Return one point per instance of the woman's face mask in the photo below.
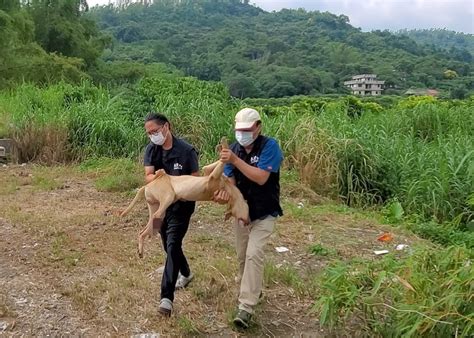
(245, 138)
(158, 138)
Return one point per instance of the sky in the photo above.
(456, 15)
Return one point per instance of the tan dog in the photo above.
(165, 190)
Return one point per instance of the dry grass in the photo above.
(43, 144)
(312, 153)
(68, 251)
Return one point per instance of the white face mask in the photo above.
(158, 138)
(245, 138)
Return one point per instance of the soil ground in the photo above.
(69, 266)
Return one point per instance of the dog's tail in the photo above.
(140, 194)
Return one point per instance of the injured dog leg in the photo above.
(157, 213)
(148, 230)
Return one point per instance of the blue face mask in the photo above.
(245, 138)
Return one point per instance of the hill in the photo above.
(459, 45)
(261, 54)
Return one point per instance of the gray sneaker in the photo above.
(166, 306)
(242, 319)
(182, 281)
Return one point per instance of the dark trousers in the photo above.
(172, 233)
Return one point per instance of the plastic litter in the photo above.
(281, 249)
(401, 247)
(386, 237)
(381, 252)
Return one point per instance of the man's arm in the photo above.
(269, 161)
(254, 174)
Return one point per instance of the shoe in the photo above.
(242, 319)
(182, 281)
(166, 306)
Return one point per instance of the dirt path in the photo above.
(68, 265)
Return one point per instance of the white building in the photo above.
(365, 84)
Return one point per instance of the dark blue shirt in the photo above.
(269, 160)
(181, 159)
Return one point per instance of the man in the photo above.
(176, 157)
(253, 164)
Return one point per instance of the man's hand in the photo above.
(221, 196)
(228, 156)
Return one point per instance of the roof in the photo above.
(422, 91)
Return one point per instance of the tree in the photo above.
(450, 74)
(60, 27)
(458, 93)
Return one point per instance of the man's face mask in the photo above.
(245, 138)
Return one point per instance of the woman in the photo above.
(176, 157)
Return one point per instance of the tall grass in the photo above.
(428, 293)
(65, 123)
(418, 151)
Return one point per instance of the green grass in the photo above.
(187, 326)
(417, 151)
(427, 292)
(114, 175)
(320, 250)
(62, 253)
(284, 274)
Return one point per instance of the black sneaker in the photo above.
(242, 319)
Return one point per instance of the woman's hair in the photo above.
(157, 118)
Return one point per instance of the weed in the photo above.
(319, 250)
(62, 252)
(286, 275)
(187, 326)
(427, 293)
(115, 175)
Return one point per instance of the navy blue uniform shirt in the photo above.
(181, 159)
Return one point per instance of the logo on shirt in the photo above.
(254, 159)
(178, 166)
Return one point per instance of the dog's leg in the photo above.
(165, 202)
(160, 213)
(207, 170)
(148, 230)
